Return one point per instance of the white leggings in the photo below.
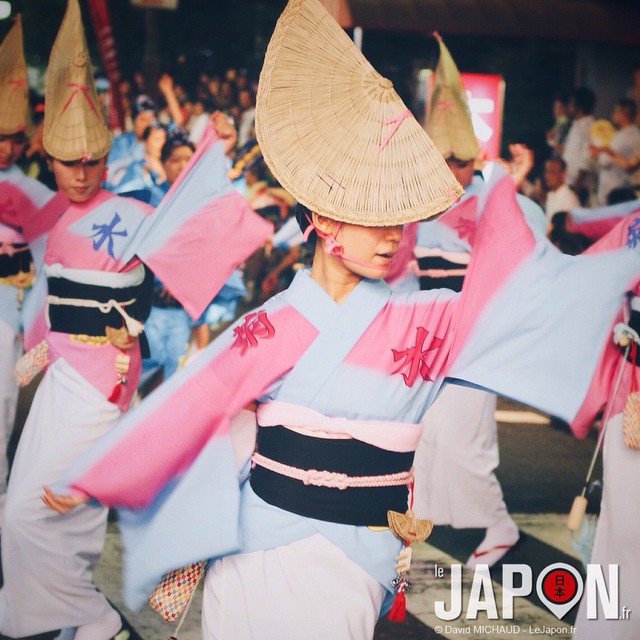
(308, 589)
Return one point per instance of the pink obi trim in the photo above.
(10, 236)
(10, 249)
(332, 479)
(96, 363)
(391, 436)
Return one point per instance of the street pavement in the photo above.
(542, 468)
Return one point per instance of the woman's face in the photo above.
(11, 146)
(78, 179)
(559, 109)
(462, 170)
(244, 99)
(141, 122)
(371, 248)
(153, 144)
(176, 162)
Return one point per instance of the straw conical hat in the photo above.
(449, 122)
(336, 135)
(15, 114)
(74, 127)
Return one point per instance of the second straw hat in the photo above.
(449, 123)
(336, 135)
(15, 114)
(74, 127)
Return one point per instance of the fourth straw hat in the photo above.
(336, 135)
(14, 89)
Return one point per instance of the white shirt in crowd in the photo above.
(563, 198)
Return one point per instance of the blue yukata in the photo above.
(359, 374)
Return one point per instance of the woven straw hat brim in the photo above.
(322, 116)
(15, 115)
(74, 127)
(449, 121)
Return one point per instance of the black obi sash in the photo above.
(90, 320)
(453, 282)
(362, 506)
(18, 260)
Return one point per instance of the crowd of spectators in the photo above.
(590, 164)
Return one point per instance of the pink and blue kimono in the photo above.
(362, 372)
(596, 222)
(615, 543)
(17, 270)
(20, 196)
(95, 264)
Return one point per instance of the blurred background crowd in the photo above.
(581, 161)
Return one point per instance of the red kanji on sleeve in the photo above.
(415, 357)
(256, 325)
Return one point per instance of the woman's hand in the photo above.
(165, 84)
(225, 130)
(521, 162)
(62, 504)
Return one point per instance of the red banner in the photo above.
(106, 45)
(485, 94)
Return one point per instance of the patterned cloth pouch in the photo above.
(631, 421)
(631, 413)
(174, 592)
(31, 364)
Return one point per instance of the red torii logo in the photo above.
(415, 357)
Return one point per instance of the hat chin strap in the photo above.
(334, 248)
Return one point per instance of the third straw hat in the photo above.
(14, 89)
(74, 128)
(336, 135)
(449, 122)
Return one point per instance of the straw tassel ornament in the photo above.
(122, 368)
(410, 530)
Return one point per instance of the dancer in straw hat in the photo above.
(47, 563)
(98, 297)
(458, 452)
(310, 525)
(17, 191)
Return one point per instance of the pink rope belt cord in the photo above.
(332, 479)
